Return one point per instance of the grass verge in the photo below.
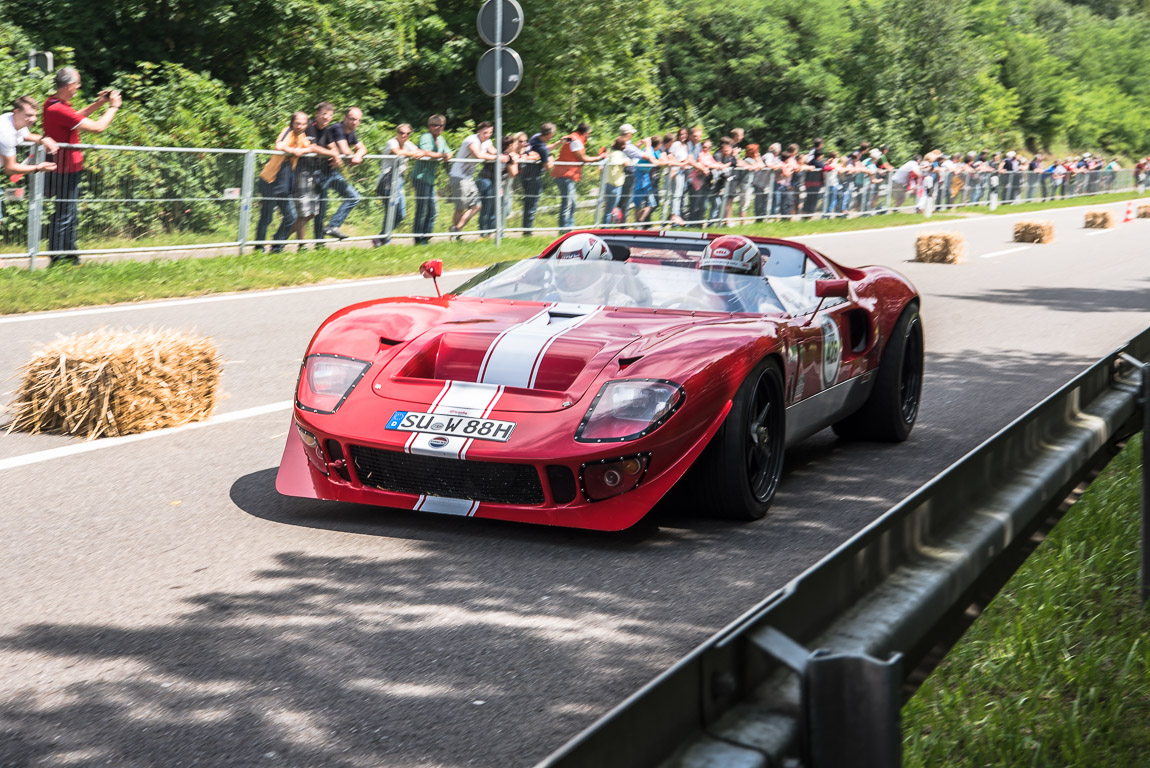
(112, 282)
(1056, 672)
(1061, 202)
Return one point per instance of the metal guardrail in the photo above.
(136, 200)
(757, 695)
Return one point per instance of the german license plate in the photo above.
(452, 426)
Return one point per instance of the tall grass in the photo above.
(1056, 672)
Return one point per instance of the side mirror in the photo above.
(831, 289)
(432, 268)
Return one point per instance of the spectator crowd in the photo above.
(683, 177)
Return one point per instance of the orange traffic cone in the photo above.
(1129, 212)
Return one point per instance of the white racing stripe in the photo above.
(445, 506)
(112, 442)
(457, 398)
(513, 359)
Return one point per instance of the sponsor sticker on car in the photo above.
(452, 426)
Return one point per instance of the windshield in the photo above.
(677, 285)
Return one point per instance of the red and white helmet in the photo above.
(585, 246)
(732, 253)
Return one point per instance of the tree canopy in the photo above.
(914, 74)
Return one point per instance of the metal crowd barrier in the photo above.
(156, 199)
(816, 674)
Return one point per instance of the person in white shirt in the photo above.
(389, 186)
(13, 130)
(678, 152)
(904, 179)
(476, 148)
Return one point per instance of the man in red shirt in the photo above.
(63, 124)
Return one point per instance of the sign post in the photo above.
(499, 71)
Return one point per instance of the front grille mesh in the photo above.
(449, 478)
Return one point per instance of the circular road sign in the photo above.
(512, 21)
(512, 72)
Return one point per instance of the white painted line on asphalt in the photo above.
(978, 216)
(1099, 232)
(111, 442)
(69, 313)
(1003, 253)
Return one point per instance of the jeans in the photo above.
(626, 194)
(811, 201)
(65, 189)
(566, 203)
(426, 210)
(831, 206)
(762, 203)
(715, 208)
(270, 200)
(486, 203)
(400, 203)
(697, 203)
(532, 187)
(336, 181)
(610, 201)
(678, 182)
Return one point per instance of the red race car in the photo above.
(580, 387)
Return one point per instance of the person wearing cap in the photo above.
(1010, 168)
(633, 155)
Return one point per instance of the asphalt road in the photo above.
(163, 605)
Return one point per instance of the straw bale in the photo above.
(1144, 211)
(940, 248)
(1099, 220)
(1034, 232)
(110, 383)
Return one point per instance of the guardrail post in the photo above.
(851, 704)
(35, 207)
(246, 185)
(602, 191)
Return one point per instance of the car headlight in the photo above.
(327, 380)
(629, 409)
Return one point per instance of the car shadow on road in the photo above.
(1065, 299)
(468, 642)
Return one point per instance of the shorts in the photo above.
(306, 191)
(464, 193)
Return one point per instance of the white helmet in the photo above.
(732, 253)
(726, 262)
(585, 246)
(576, 281)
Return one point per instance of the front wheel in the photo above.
(890, 412)
(737, 475)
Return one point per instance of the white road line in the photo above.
(111, 442)
(1099, 232)
(1003, 253)
(69, 313)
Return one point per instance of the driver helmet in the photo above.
(576, 282)
(727, 256)
(585, 246)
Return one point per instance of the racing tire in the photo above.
(737, 475)
(890, 411)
